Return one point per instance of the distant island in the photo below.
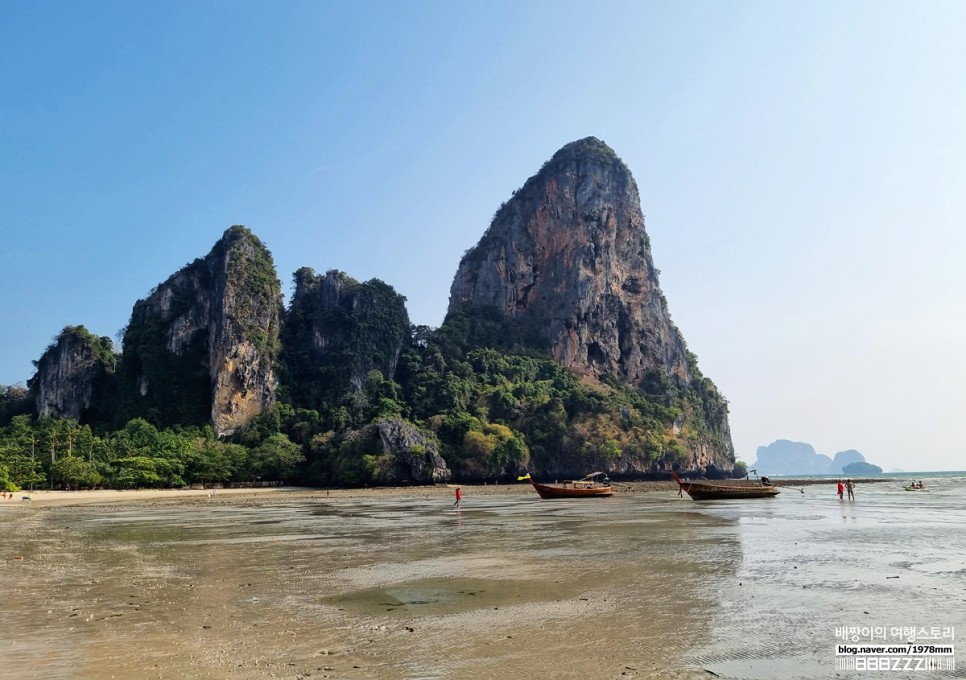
(784, 457)
(860, 468)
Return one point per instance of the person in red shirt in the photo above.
(841, 489)
(459, 496)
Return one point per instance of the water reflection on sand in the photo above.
(638, 585)
(812, 563)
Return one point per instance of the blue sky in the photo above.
(802, 169)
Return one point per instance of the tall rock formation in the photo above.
(203, 346)
(843, 458)
(72, 374)
(569, 254)
(568, 259)
(783, 457)
(337, 331)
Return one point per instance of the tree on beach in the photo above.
(276, 458)
(21, 470)
(75, 472)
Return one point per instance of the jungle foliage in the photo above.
(481, 391)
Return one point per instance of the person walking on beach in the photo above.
(849, 485)
(841, 488)
(459, 496)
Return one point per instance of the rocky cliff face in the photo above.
(416, 457)
(569, 254)
(71, 374)
(568, 258)
(337, 331)
(203, 345)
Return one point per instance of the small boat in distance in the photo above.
(706, 491)
(587, 487)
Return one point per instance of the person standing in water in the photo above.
(841, 488)
(459, 497)
(849, 485)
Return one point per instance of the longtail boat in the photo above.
(705, 491)
(587, 487)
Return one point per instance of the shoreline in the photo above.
(46, 498)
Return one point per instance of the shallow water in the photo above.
(811, 563)
(638, 585)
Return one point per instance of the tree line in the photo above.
(60, 453)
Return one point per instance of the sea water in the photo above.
(814, 566)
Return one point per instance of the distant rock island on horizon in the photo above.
(784, 457)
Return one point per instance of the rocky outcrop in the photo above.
(415, 456)
(337, 331)
(71, 374)
(203, 345)
(861, 468)
(385, 451)
(783, 457)
(568, 254)
(843, 458)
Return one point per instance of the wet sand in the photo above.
(395, 583)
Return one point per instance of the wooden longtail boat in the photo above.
(704, 491)
(588, 487)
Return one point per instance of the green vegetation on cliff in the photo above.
(254, 286)
(481, 392)
(230, 296)
(340, 338)
(84, 360)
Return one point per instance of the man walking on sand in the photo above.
(459, 496)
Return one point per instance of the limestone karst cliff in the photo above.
(557, 355)
(569, 258)
(336, 332)
(569, 250)
(72, 374)
(203, 346)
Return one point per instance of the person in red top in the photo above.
(841, 489)
(458, 497)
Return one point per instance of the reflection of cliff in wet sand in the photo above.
(594, 485)
(704, 491)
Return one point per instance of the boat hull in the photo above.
(553, 491)
(703, 491)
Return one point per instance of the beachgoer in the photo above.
(849, 485)
(841, 489)
(459, 496)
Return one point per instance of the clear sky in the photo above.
(802, 169)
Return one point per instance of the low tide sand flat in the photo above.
(379, 583)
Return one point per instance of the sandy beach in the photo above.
(41, 497)
(395, 583)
